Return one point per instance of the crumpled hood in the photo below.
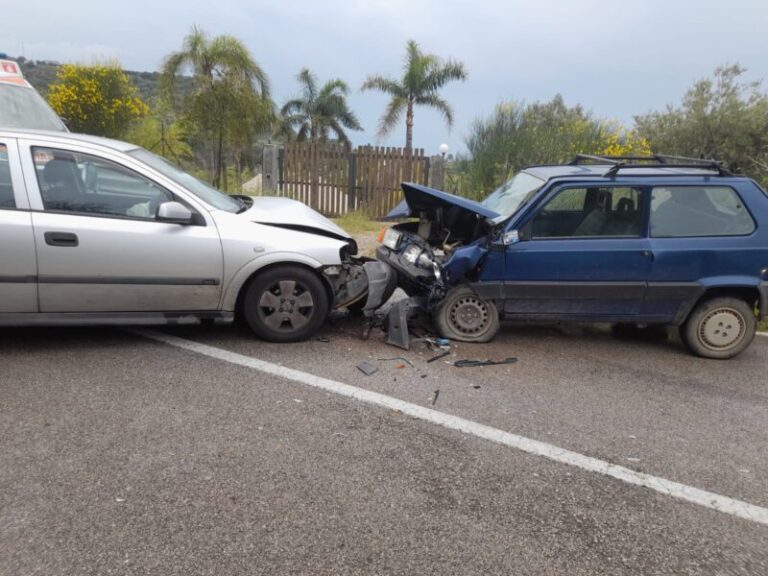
(292, 214)
(420, 198)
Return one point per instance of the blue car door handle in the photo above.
(648, 254)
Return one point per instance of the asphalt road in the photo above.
(122, 455)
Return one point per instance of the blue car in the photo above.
(634, 241)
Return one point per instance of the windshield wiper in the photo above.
(243, 205)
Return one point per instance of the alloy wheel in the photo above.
(286, 306)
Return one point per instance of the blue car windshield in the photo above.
(513, 194)
(201, 190)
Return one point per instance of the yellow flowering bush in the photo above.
(98, 99)
(615, 140)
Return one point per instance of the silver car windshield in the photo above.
(203, 191)
(513, 194)
(23, 107)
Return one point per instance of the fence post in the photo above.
(352, 182)
(270, 168)
(436, 172)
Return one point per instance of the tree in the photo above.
(98, 99)
(518, 135)
(423, 76)
(720, 117)
(229, 102)
(319, 112)
(161, 134)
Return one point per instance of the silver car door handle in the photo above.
(65, 239)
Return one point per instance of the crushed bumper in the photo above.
(365, 284)
(413, 280)
(382, 281)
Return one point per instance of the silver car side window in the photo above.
(85, 184)
(6, 187)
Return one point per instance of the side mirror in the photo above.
(511, 237)
(174, 212)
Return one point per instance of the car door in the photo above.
(100, 246)
(18, 263)
(583, 253)
(697, 232)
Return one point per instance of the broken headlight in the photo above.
(412, 253)
(418, 256)
(391, 239)
(425, 260)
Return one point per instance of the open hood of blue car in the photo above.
(422, 199)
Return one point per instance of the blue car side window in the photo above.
(690, 211)
(590, 212)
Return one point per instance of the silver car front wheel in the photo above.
(286, 304)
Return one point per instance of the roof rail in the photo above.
(653, 161)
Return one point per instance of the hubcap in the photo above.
(469, 315)
(286, 306)
(722, 329)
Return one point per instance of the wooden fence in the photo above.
(335, 180)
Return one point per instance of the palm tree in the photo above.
(319, 112)
(229, 89)
(423, 76)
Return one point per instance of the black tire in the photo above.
(719, 328)
(285, 304)
(464, 316)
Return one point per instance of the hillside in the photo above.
(42, 73)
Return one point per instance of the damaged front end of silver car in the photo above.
(361, 284)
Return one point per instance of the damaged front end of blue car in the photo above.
(443, 244)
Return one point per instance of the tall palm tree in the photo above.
(229, 89)
(319, 112)
(423, 76)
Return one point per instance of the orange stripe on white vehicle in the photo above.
(10, 73)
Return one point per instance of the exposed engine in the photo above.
(423, 251)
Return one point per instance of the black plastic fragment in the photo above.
(476, 363)
(442, 354)
(367, 368)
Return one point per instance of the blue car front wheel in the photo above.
(464, 316)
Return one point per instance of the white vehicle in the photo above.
(20, 104)
(96, 231)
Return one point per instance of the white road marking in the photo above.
(711, 500)
(762, 333)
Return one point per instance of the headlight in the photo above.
(424, 260)
(412, 253)
(391, 239)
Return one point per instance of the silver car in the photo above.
(96, 231)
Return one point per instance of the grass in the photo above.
(762, 326)
(358, 223)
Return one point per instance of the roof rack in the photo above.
(654, 161)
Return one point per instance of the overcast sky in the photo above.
(615, 58)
